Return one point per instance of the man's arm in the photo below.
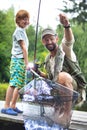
(68, 39)
(68, 34)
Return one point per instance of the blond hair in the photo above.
(21, 14)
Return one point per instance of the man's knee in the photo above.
(64, 77)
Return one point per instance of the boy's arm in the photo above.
(25, 53)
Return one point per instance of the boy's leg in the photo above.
(7, 108)
(14, 98)
(14, 101)
(9, 95)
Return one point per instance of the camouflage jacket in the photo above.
(62, 63)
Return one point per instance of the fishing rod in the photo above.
(37, 31)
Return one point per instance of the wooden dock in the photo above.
(78, 120)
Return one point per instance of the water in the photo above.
(41, 125)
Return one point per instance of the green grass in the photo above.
(3, 88)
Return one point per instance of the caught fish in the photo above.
(46, 92)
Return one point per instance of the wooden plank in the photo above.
(15, 119)
(78, 120)
(5, 117)
(79, 116)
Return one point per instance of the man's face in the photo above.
(50, 42)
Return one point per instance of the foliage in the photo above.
(77, 10)
(31, 36)
(80, 47)
(3, 88)
(4, 67)
(6, 29)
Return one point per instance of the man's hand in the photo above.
(64, 20)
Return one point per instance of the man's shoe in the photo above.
(17, 110)
(9, 111)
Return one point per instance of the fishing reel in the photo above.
(34, 70)
(37, 65)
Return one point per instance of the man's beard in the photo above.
(51, 47)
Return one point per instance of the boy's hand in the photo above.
(27, 67)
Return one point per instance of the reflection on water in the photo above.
(40, 125)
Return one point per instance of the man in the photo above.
(61, 63)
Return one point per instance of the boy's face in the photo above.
(23, 23)
(50, 42)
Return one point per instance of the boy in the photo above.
(19, 63)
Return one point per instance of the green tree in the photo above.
(80, 47)
(77, 10)
(6, 29)
(31, 36)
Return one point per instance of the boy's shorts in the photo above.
(17, 73)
